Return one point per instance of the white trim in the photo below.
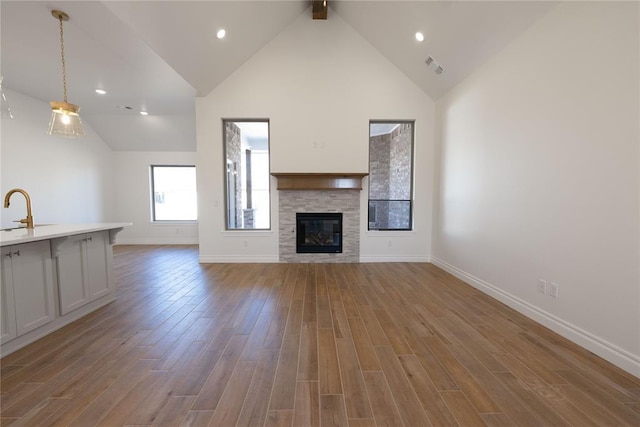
(248, 232)
(174, 222)
(385, 234)
(157, 241)
(393, 258)
(608, 351)
(235, 259)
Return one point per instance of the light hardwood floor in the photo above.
(306, 345)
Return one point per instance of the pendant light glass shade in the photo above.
(65, 120)
(5, 110)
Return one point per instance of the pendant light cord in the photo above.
(64, 67)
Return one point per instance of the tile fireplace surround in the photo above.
(321, 195)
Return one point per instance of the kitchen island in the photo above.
(53, 275)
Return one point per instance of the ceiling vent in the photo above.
(438, 69)
(319, 9)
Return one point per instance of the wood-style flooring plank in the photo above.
(355, 392)
(128, 403)
(328, 368)
(462, 408)
(284, 386)
(362, 422)
(497, 420)
(112, 395)
(201, 369)
(256, 402)
(385, 411)
(220, 376)
(280, 418)
(196, 418)
(307, 412)
(228, 410)
(472, 390)
(364, 347)
(174, 411)
(411, 410)
(546, 414)
(308, 358)
(433, 404)
(332, 411)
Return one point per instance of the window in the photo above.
(247, 179)
(174, 193)
(390, 175)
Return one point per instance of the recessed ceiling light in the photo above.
(419, 36)
(221, 33)
(144, 113)
(101, 91)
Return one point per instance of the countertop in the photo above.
(17, 236)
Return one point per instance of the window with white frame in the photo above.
(173, 193)
(390, 175)
(247, 178)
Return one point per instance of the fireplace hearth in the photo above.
(319, 232)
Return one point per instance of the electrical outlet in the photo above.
(542, 286)
(554, 290)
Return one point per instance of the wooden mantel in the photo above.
(319, 181)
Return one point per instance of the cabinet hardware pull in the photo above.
(17, 253)
(90, 238)
(9, 254)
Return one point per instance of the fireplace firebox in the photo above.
(319, 232)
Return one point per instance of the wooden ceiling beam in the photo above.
(320, 9)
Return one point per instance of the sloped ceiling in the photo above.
(157, 56)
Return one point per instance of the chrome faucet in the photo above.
(29, 219)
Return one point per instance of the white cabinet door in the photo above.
(97, 245)
(72, 275)
(83, 269)
(7, 302)
(27, 288)
(32, 286)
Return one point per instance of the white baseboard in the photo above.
(393, 258)
(236, 259)
(157, 241)
(221, 259)
(608, 351)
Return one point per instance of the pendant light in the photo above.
(65, 120)
(5, 110)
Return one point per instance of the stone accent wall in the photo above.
(379, 168)
(400, 161)
(248, 217)
(233, 147)
(345, 201)
(400, 175)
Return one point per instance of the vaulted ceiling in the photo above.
(157, 56)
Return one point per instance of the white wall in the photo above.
(539, 177)
(69, 180)
(133, 199)
(319, 83)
